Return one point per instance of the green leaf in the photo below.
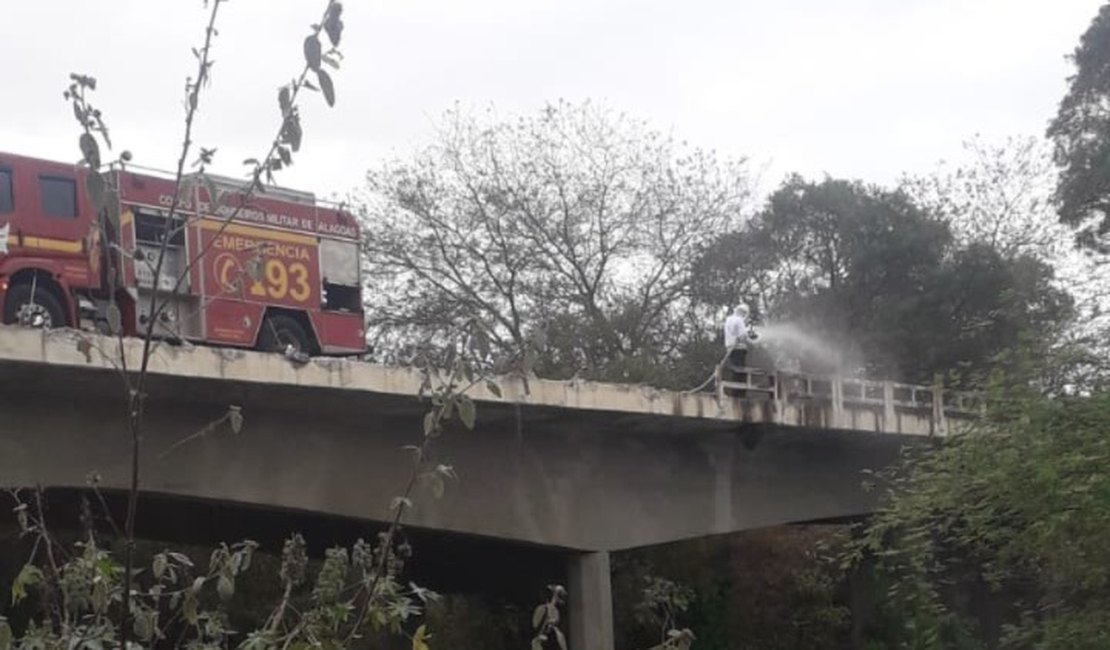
(285, 100)
(84, 346)
(28, 576)
(213, 193)
(225, 587)
(493, 388)
(247, 554)
(420, 638)
(291, 132)
(429, 423)
(115, 318)
(254, 268)
(312, 52)
(480, 342)
(467, 412)
(538, 615)
(90, 150)
(560, 638)
(144, 625)
(333, 25)
(158, 566)
(5, 634)
(95, 188)
(189, 607)
(326, 86)
(100, 598)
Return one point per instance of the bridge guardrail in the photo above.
(838, 393)
(777, 397)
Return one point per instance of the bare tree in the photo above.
(1002, 197)
(577, 221)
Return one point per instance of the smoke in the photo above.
(788, 346)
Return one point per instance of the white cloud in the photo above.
(861, 88)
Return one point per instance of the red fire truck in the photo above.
(274, 270)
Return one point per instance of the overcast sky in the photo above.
(859, 88)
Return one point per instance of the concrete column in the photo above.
(779, 397)
(940, 426)
(836, 417)
(890, 416)
(591, 602)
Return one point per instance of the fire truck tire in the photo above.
(280, 331)
(44, 311)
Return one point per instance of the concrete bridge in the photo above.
(578, 468)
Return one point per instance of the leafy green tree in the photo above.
(977, 307)
(1081, 132)
(998, 538)
(840, 259)
(769, 589)
(881, 279)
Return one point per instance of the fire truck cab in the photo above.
(274, 271)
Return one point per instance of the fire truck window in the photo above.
(6, 203)
(341, 298)
(339, 262)
(149, 228)
(59, 197)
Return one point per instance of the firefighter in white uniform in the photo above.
(736, 336)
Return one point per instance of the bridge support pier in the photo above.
(591, 602)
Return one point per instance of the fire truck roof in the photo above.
(268, 191)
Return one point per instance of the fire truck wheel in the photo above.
(280, 331)
(43, 310)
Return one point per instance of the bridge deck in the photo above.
(767, 398)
